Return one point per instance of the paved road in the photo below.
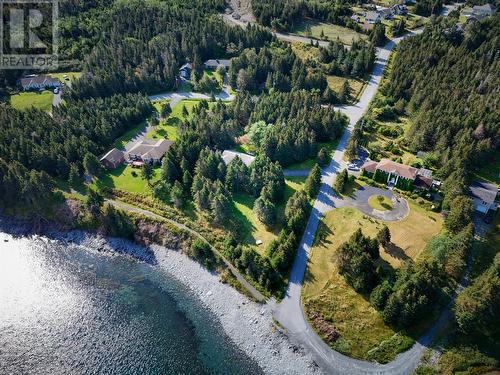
(289, 312)
(447, 9)
(249, 287)
(360, 198)
(175, 97)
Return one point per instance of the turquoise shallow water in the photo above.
(67, 309)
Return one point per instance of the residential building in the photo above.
(373, 17)
(228, 156)
(214, 64)
(386, 13)
(484, 196)
(185, 71)
(399, 9)
(399, 175)
(113, 159)
(148, 151)
(39, 82)
(478, 12)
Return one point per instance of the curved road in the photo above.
(289, 312)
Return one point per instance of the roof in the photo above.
(370, 166)
(483, 191)
(39, 80)
(214, 63)
(372, 15)
(151, 149)
(114, 156)
(484, 8)
(228, 156)
(425, 173)
(403, 170)
(186, 66)
(424, 182)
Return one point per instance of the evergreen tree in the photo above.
(341, 181)
(93, 203)
(147, 172)
(384, 236)
(166, 110)
(91, 164)
(265, 211)
(177, 195)
(313, 182)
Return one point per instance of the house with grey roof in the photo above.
(484, 196)
(148, 151)
(229, 155)
(373, 17)
(214, 64)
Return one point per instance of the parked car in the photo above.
(353, 167)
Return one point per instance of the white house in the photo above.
(39, 82)
(484, 196)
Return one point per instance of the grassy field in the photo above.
(326, 294)
(251, 228)
(38, 99)
(72, 75)
(168, 127)
(313, 29)
(357, 85)
(123, 178)
(380, 202)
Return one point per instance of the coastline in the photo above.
(248, 324)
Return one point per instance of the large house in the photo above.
(215, 64)
(113, 159)
(478, 12)
(228, 156)
(39, 82)
(399, 175)
(148, 151)
(373, 17)
(484, 196)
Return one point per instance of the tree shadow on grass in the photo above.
(321, 238)
(396, 252)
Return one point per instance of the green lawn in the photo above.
(168, 127)
(122, 178)
(251, 228)
(330, 302)
(380, 202)
(72, 75)
(331, 32)
(357, 86)
(38, 99)
(130, 134)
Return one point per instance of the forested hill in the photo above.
(451, 81)
(140, 45)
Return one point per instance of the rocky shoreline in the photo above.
(249, 325)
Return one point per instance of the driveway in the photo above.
(360, 198)
(289, 312)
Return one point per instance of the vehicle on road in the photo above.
(353, 167)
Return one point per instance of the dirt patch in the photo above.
(241, 10)
(324, 328)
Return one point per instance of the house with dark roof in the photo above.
(399, 175)
(484, 196)
(39, 82)
(113, 158)
(185, 71)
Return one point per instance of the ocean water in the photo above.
(70, 309)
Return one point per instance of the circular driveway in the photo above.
(360, 200)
